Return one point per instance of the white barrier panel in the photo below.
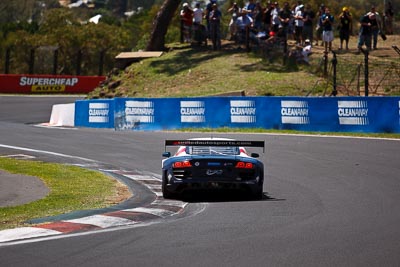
(63, 115)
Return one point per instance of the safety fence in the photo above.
(359, 75)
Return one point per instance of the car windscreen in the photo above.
(212, 150)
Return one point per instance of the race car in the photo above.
(212, 163)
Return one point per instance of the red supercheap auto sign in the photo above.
(47, 84)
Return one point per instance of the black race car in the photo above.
(210, 163)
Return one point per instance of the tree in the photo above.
(161, 24)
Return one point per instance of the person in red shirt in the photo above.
(187, 22)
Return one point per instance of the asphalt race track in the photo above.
(331, 201)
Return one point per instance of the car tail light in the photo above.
(182, 164)
(244, 165)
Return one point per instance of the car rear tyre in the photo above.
(166, 194)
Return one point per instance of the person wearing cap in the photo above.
(345, 27)
(187, 22)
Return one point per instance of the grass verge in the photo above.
(71, 188)
(261, 130)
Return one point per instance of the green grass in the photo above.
(188, 72)
(71, 188)
(261, 130)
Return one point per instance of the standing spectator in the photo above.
(198, 27)
(376, 26)
(258, 17)
(215, 26)
(198, 14)
(275, 19)
(244, 25)
(187, 22)
(365, 35)
(285, 16)
(250, 7)
(389, 13)
(268, 17)
(308, 28)
(297, 6)
(208, 11)
(345, 27)
(299, 24)
(327, 29)
(318, 29)
(235, 11)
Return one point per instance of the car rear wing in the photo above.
(215, 143)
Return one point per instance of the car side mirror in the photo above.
(166, 154)
(254, 155)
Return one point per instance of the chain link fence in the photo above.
(363, 74)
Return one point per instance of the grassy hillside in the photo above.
(187, 71)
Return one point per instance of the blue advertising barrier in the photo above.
(333, 114)
(95, 113)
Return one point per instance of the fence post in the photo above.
(325, 63)
(247, 39)
(78, 62)
(55, 62)
(181, 30)
(101, 62)
(7, 63)
(366, 71)
(32, 61)
(334, 63)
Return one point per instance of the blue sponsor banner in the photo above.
(333, 114)
(94, 113)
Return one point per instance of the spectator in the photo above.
(365, 35)
(285, 16)
(208, 11)
(258, 17)
(250, 8)
(376, 26)
(215, 26)
(198, 27)
(198, 14)
(187, 22)
(345, 27)
(244, 25)
(275, 19)
(327, 29)
(309, 16)
(268, 17)
(389, 13)
(235, 11)
(318, 28)
(299, 24)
